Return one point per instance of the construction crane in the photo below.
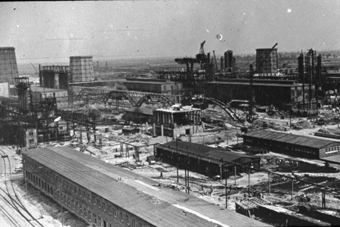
(201, 56)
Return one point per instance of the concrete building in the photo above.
(30, 137)
(105, 195)
(294, 145)
(8, 65)
(175, 121)
(205, 160)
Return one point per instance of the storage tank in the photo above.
(8, 65)
(81, 69)
(266, 61)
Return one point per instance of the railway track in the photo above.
(9, 217)
(11, 198)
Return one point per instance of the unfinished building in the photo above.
(26, 121)
(54, 76)
(176, 121)
(205, 160)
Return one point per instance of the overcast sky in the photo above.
(53, 31)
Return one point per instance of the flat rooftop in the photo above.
(178, 111)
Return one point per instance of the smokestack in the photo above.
(208, 57)
(318, 78)
(222, 63)
(302, 76)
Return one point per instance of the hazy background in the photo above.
(53, 31)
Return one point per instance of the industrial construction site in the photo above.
(212, 138)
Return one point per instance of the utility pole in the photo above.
(226, 188)
(177, 159)
(248, 182)
(291, 193)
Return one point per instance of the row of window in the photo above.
(332, 149)
(73, 197)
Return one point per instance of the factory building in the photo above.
(104, 195)
(294, 145)
(205, 160)
(153, 86)
(266, 92)
(8, 65)
(175, 121)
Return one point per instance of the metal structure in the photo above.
(25, 121)
(135, 98)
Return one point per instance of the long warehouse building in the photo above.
(205, 160)
(294, 145)
(105, 195)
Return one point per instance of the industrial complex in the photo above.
(216, 140)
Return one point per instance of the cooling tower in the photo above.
(266, 60)
(8, 65)
(81, 69)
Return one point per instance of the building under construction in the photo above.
(26, 121)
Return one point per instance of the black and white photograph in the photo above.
(170, 113)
